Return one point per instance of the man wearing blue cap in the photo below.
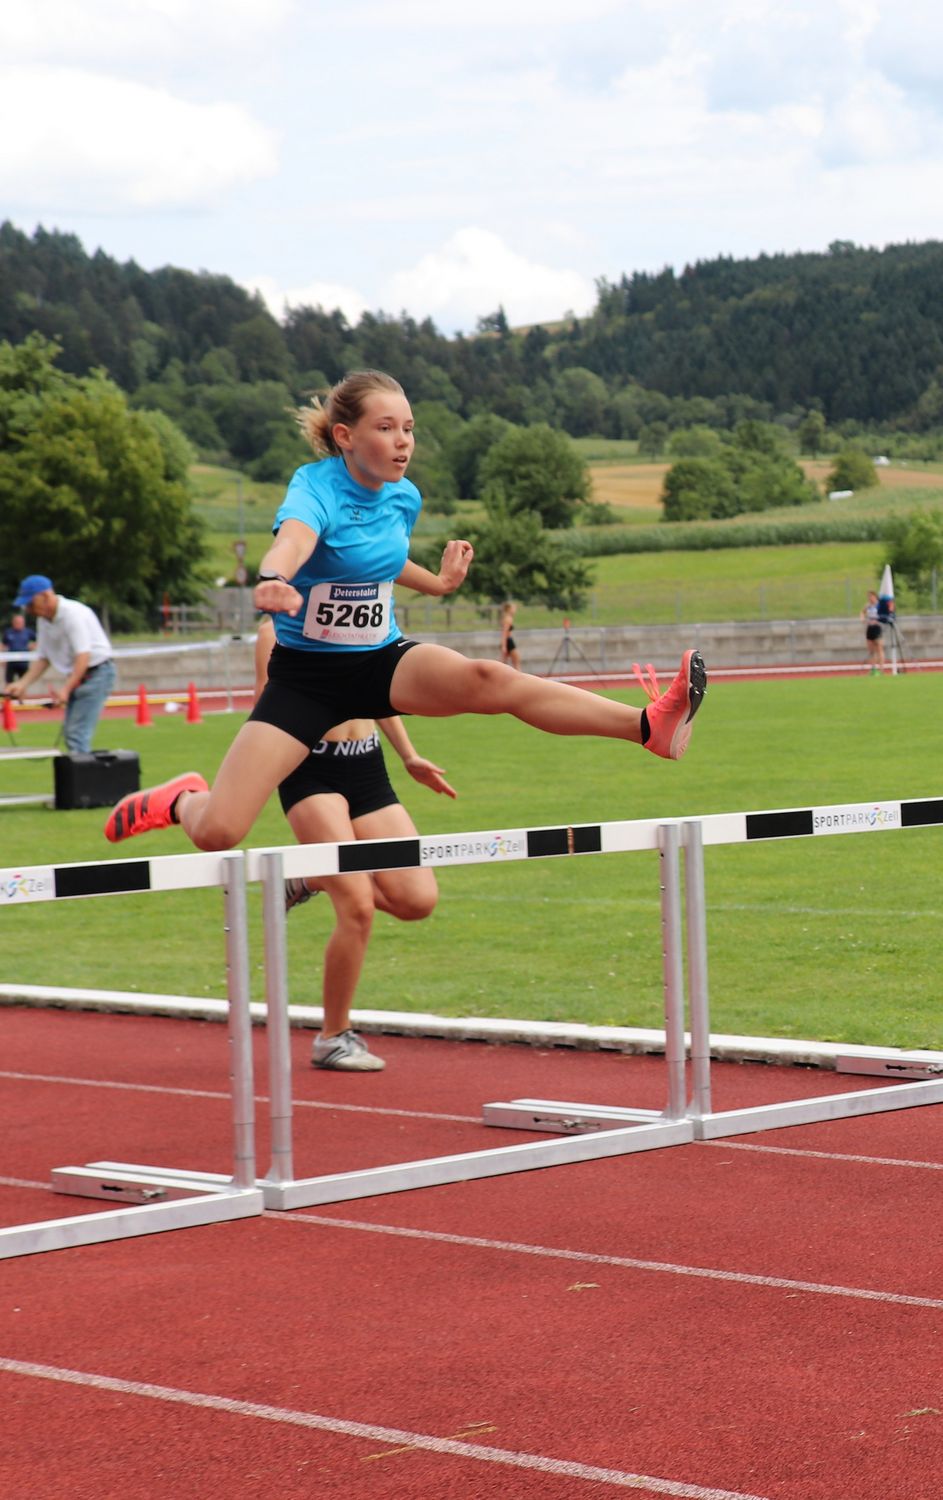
(70, 638)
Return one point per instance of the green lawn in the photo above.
(836, 938)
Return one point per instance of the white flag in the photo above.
(886, 590)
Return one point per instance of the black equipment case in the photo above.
(99, 779)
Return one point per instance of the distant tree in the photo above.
(811, 433)
(516, 559)
(696, 489)
(581, 399)
(495, 322)
(695, 442)
(749, 472)
(652, 439)
(915, 548)
(535, 469)
(92, 492)
(285, 452)
(260, 351)
(852, 470)
(470, 446)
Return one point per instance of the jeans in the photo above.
(84, 708)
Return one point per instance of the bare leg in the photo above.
(324, 818)
(408, 895)
(257, 760)
(437, 682)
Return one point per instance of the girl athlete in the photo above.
(509, 651)
(341, 542)
(341, 791)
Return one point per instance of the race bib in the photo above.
(349, 614)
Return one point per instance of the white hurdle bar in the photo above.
(735, 828)
(160, 1198)
(637, 1129)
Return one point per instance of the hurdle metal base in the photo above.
(561, 1118)
(187, 1211)
(810, 1111)
(404, 1177)
(893, 1065)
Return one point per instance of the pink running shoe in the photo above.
(140, 812)
(670, 714)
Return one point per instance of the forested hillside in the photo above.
(854, 333)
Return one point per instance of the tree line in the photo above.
(111, 378)
(851, 335)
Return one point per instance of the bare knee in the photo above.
(487, 684)
(414, 907)
(353, 906)
(211, 831)
(408, 901)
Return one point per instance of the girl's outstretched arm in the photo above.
(453, 568)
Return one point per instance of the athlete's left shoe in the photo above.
(140, 812)
(670, 714)
(347, 1053)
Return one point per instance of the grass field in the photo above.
(833, 939)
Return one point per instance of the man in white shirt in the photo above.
(70, 638)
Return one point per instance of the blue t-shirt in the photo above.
(363, 545)
(18, 640)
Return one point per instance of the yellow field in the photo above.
(639, 485)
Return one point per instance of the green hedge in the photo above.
(704, 537)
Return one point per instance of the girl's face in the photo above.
(378, 446)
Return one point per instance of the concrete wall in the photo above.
(226, 663)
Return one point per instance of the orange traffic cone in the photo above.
(193, 706)
(9, 717)
(144, 712)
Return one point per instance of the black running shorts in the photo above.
(308, 692)
(353, 768)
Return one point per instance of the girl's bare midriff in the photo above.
(352, 729)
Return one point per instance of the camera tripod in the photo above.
(563, 651)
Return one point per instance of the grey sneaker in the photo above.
(347, 1052)
(297, 893)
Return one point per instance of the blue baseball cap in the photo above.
(36, 583)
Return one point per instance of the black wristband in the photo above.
(272, 578)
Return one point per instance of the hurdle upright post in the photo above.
(669, 843)
(698, 1005)
(239, 1020)
(278, 1029)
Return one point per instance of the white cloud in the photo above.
(101, 32)
(328, 295)
(473, 273)
(111, 145)
(873, 123)
(470, 275)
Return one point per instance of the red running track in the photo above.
(760, 1317)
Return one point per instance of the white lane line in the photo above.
(154, 1088)
(709, 1273)
(869, 1161)
(417, 1114)
(426, 1441)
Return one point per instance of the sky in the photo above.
(443, 160)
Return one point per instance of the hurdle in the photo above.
(582, 1132)
(27, 799)
(158, 1198)
(636, 1129)
(737, 828)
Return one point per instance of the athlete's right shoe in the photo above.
(296, 892)
(670, 714)
(140, 812)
